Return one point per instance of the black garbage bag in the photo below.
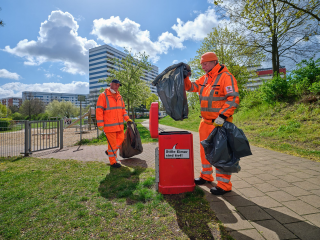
(237, 140)
(224, 147)
(131, 145)
(170, 88)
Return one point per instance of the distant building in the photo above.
(48, 97)
(264, 74)
(11, 101)
(100, 62)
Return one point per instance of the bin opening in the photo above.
(174, 132)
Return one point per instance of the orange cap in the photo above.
(208, 57)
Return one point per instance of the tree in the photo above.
(231, 50)
(62, 109)
(3, 110)
(14, 108)
(311, 7)
(275, 28)
(151, 99)
(1, 22)
(129, 71)
(32, 107)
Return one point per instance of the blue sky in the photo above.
(44, 44)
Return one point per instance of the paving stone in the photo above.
(256, 171)
(313, 218)
(240, 184)
(290, 179)
(272, 229)
(313, 200)
(247, 235)
(234, 221)
(300, 207)
(288, 170)
(310, 172)
(251, 192)
(317, 192)
(296, 191)
(265, 187)
(254, 213)
(279, 183)
(253, 180)
(244, 174)
(235, 177)
(266, 202)
(239, 201)
(284, 215)
(266, 169)
(222, 207)
(300, 174)
(306, 185)
(281, 196)
(304, 230)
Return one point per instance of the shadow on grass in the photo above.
(194, 216)
(11, 159)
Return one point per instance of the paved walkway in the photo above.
(275, 195)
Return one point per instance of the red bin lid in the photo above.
(154, 120)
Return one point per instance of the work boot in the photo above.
(200, 181)
(218, 191)
(116, 165)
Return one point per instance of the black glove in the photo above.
(186, 71)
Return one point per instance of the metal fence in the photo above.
(43, 135)
(12, 138)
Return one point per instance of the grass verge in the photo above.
(66, 199)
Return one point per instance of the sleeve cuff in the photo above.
(223, 116)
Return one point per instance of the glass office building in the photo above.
(100, 62)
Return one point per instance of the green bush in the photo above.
(275, 89)
(251, 99)
(5, 124)
(17, 116)
(315, 87)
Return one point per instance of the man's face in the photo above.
(114, 86)
(207, 66)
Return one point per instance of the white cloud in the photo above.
(127, 34)
(50, 75)
(6, 74)
(15, 89)
(58, 41)
(197, 29)
(178, 61)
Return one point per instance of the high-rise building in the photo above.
(264, 74)
(100, 63)
(48, 97)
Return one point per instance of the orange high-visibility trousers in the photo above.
(115, 140)
(223, 178)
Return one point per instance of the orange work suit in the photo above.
(110, 114)
(219, 97)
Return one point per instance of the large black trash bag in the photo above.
(224, 147)
(170, 88)
(237, 140)
(131, 145)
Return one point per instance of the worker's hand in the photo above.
(186, 71)
(101, 128)
(129, 120)
(218, 122)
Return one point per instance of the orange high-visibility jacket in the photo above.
(218, 93)
(110, 111)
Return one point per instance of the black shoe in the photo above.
(106, 152)
(218, 191)
(116, 165)
(200, 181)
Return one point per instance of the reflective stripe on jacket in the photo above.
(110, 111)
(218, 93)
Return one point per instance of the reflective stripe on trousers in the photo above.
(115, 139)
(223, 178)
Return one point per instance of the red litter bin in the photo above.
(174, 158)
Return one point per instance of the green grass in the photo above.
(67, 199)
(144, 135)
